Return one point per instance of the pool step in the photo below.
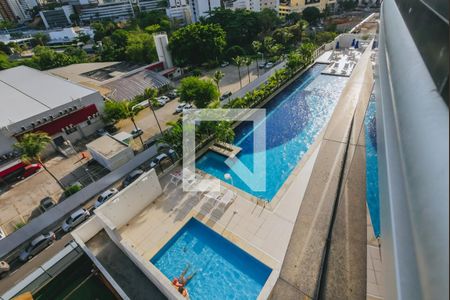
(225, 149)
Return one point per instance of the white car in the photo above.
(75, 218)
(187, 106)
(269, 65)
(180, 107)
(105, 196)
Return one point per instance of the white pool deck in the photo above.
(263, 232)
(341, 61)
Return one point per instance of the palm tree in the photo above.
(31, 146)
(257, 47)
(218, 75)
(238, 60)
(150, 94)
(130, 111)
(248, 62)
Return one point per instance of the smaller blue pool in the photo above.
(224, 271)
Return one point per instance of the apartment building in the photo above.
(16, 10)
(179, 10)
(201, 8)
(118, 10)
(299, 5)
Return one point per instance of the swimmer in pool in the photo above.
(182, 280)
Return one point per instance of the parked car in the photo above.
(187, 106)
(46, 203)
(269, 65)
(262, 65)
(180, 107)
(101, 132)
(111, 128)
(37, 245)
(172, 94)
(224, 64)
(136, 132)
(132, 177)
(75, 218)
(105, 196)
(158, 160)
(225, 95)
(4, 268)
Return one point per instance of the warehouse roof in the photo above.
(26, 92)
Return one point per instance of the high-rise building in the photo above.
(201, 8)
(180, 11)
(59, 17)
(16, 10)
(161, 42)
(148, 5)
(117, 10)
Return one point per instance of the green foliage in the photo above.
(244, 26)
(324, 37)
(197, 43)
(31, 146)
(45, 58)
(173, 137)
(218, 75)
(293, 17)
(347, 5)
(234, 51)
(224, 132)
(199, 91)
(311, 14)
(5, 63)
(41, 38)
(19, 225)
(196, 72)
(4, 24)
(72, 190)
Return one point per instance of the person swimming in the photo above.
(183, 291)
(182, 280)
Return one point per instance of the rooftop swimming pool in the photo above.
(293, 120)
(223, 271)
(372, 194)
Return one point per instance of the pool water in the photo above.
(224, 271)
(293, 120)
(372, 194)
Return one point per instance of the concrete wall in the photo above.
(130, 201)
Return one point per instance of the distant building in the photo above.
(202, 8)
(36, 101)
(59, 17)
(16, 10)
(179, 10)
(118, 10)
(300, 5)
(109, 152)
(148, 5)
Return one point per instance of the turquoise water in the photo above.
(224, 271)
(372, 195)
(293, 120)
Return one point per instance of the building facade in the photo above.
(59, 17)
(120, 10)
(299, 5)
(179, 11)
(62, 109)
(201, 8)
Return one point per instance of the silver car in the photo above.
(75, 218)
(37, 245)
(105, 196)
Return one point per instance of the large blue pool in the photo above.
(293, 120)
(224, 271)
(372, 195)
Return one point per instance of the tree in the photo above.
(306, 51)
(197, 43)
(238, 61)
(173, 137)
(234, 51)
(324, 37)
(150, 94)
(293, 17)
(31, 145)
(224, 132)
(248, 61)
(41, 38)
(200, 92)
(83, 38)
(218, 75)
(257, 45)
(311, 14)
(115, 111)
(294, 62)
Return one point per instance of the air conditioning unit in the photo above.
(23, 128)
(75, 107)
(38, 122)
(66, 111)
(60, 113)
(33, 125)
(89, 117)
(44, 119)
(51, 117)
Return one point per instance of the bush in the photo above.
(72, 190)
(19, 225)
(197, 72)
